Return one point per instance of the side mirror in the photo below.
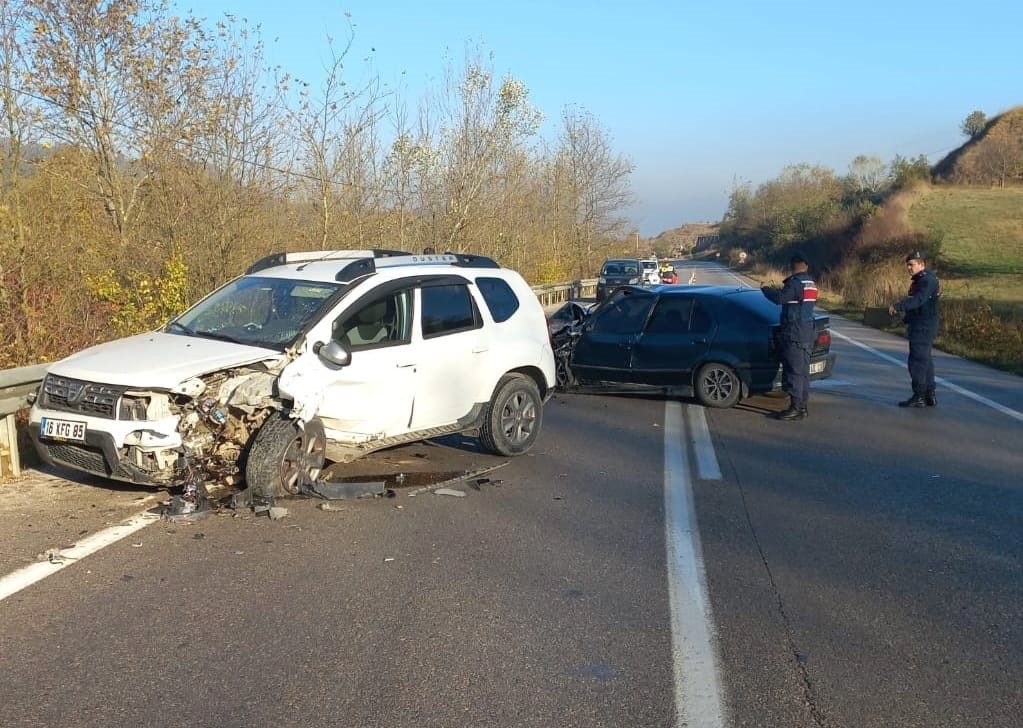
(334, 353)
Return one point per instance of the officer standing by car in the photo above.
(920, 312)
(797, 297)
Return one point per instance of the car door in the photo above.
(604, 349)
(674, 341)
(454, 348)
(372, 396)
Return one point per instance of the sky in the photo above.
(700, 95)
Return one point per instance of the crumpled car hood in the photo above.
(157, 360)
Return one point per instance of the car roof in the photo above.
(346, 266)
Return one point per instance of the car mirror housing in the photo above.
(335, 353)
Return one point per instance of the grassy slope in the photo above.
(982, 242)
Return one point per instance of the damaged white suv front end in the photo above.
(168, 406)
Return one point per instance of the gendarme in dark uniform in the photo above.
(797, 296)
(920, 312)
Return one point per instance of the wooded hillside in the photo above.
(148, 158)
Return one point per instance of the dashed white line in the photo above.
(29, 575)
(703, 448)
(698, 700)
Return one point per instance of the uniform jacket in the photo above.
(797, 296)
(920, 307)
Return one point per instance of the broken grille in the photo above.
(74, 395)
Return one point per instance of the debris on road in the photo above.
(450, 491)
(342, 491)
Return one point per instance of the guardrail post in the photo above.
(10, 464)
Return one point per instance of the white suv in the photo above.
(308, 356)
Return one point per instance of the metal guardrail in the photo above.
(17, 384)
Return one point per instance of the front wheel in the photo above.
(717, 385)
(514, 416)
(285, 454)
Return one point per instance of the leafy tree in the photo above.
(907, 172)
(973, 124)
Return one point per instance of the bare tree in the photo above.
(126, 82)
(484, 124)
(591, 185)
(330, 123)
(868, 174)
(19, 116)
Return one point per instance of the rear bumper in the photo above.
(825, 373)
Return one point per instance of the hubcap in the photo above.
(718, 384)
(518, 418)
(303, 456)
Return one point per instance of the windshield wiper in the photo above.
(220, 337)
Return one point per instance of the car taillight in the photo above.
(824, 338)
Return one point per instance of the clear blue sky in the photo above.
(697, 93)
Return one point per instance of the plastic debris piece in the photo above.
(341, 491)
(450, 491)
(277, 512)
(331, 507)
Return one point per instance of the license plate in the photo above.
(817, 367)
(62, 429)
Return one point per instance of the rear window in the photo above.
(649, 265)
(757, 304)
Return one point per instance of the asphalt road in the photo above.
(864, 568)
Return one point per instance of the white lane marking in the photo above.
(693, 646)
(29, 575)
(706, 459)
(938, 380)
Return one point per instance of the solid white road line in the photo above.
(706, 459)
(694, 651)
(938, 380)
(22, 578)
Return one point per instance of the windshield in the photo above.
(649, 265)
(620, 268)
(267, 312)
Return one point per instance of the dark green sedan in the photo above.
(715, 343)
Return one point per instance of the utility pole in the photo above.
(637, 241)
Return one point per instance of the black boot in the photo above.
(796, 411)
(917, 400)
(931, 399)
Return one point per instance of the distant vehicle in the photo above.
(617, 272)
(651, 271)
(714, 343)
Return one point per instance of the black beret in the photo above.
(915, 255)
(798, 257)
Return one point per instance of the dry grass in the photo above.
(974, 238)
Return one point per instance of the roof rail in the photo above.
(312, 256)
(369, 265)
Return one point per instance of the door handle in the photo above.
(699, 341)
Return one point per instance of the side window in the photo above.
(672, 316)
(499, 297)
(378, 322)
(447, 310)
(623, 315)
(701, 322)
